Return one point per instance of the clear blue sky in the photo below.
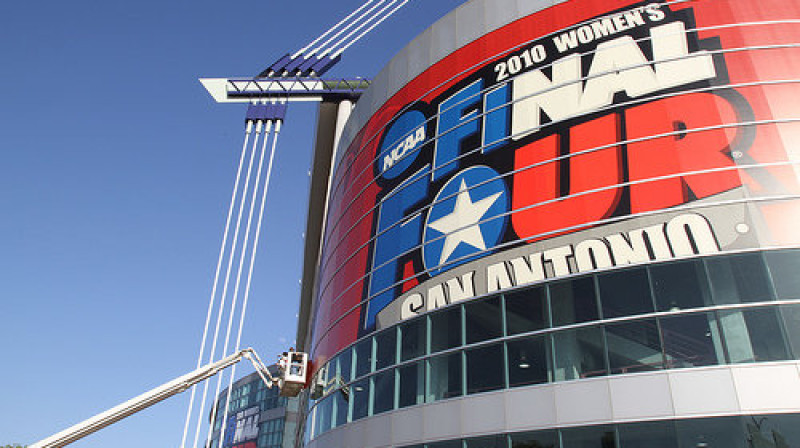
(116, 170)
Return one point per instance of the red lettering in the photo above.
(590, 171)
(681, 153)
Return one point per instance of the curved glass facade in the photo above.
(482, 182)
(763, 431)
(542, 196)
(739, 308)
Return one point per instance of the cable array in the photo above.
(323, 52)
(263, 124)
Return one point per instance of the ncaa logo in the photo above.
(401, 144)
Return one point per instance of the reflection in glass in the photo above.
(497, 441)
(339, 408)
(648, 435)
(537, 439)
(784, 266)
(386, 349)
(447, 444)
(529, 361)
(363, 355)
(753, 335)
(383, 392)
(446, 329)
(526, 311)
(739, 279)
(692, 341)
(345, 364)
(573, 301)
(723, 432)
(680, 286)
(589, 437)
(359, 399)
(412, 339)
(625, 293)
(444, 377)
(485, 368)
(773, 431)
(579, 354)
(791, 320)
(634, 347)
(412, 384)
(483, 320)
(324, 411)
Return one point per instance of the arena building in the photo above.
(258, 417)
(563, 224)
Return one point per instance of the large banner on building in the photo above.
(242, 428)
(591, 135)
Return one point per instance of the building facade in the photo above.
(563, 224)
(257, 417)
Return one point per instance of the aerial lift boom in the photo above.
(154, 396)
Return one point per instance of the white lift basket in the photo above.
(295, 373)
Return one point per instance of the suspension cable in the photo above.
(252, 261)
(359, 27)
(212, 299)
(242, 255)
(223, 297)
(330, 30)
(340, 51)
(367, 14)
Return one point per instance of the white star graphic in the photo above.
(461, 226)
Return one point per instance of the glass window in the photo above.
(444, 377)
(625, 293)
(483, 320)
(497, 441)
(529, 361)
(324, 411)
(723, 432)
(339, 412)
(485, 369)
(791, 320)
(588, 437)
(753, 335)
(680, 286)
(308, 433)
(526, 311)
(536, 439)
(573, 301)
(413, 339)
(634, 347)
(784, 266)
(447, 444)
(648, 435)
(739, 279)
(579, 353)
(386, 349)
(446, 329)
(363, 355)
(383, 390)
(359, 399)
(412, 384)
(778, 431)
(692, 341)
(345, 364)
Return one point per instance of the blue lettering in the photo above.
(457, 121)
(395, 238)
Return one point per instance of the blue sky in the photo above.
(116, 169)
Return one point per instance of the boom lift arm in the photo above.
(152, 397)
